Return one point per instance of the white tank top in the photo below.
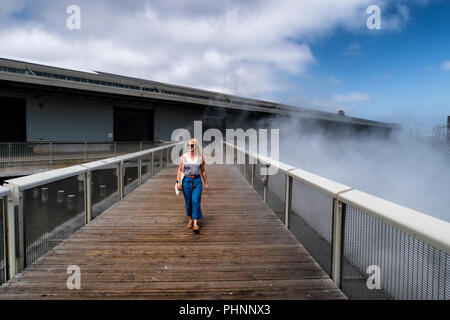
(192, 167)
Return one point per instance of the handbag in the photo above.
(177, 192)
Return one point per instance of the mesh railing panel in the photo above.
(169, 159)
(130, 179)
(276, 194)
(2, 243)
(239, 162)
(51, 213)
(248, 173)
(104, 190)
(258, 181)
(30, 154)
(146, 167)
(311, 222)
(157, 162)
(164, 158)
(409, 268)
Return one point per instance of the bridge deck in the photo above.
(141, 248)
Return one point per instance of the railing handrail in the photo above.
(37, 179)
(4, 192)
(31, 181)
(101, 163)
(431, 230)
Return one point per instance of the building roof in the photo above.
(28, 71)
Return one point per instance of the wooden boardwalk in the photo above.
(141, 249)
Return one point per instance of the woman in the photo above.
(192, 165)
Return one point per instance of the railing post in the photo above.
(167, 157)
(120, 179)
(152, 164)
(288, 200)
(9, 155)
(139, 162)
(16, 247)
(253, 174)
(266, 180)
(140, 145)
(245, 164)
(88, 196)
(160, 160)
(4, 221)
(337, 241)
(51, 152)
(11, 232)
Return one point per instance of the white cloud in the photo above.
(240, 47)
(446, 65)
(351, 97)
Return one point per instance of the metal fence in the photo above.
(46, 208)
(370, 247)
(4, 192)
(36, 154)
(441, 133)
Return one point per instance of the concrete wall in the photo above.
(169, 117)
(68, 119)
(54, 117)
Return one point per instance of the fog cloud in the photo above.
(409, 172)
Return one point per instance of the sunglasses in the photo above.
(191, 145)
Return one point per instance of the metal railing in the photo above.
(370, 247)
(45, 208)
(35, 154)
(441, 133)
(4, 193)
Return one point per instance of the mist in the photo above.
(411, 173)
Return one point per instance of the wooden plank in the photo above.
(140, 248)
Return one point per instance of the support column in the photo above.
(88, 196)
(337, 241)
(288, 200)
(16, 248)
(120, 180)
(139, 163)
(266, 180)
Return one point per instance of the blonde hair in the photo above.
(197, 149)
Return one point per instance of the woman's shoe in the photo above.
(196, 229)
(189, 225)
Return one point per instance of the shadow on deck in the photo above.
(140, 248)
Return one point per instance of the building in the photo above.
(47, 103)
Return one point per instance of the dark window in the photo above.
(13, 120)
(133, 124)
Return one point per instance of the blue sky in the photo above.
(400, 71)
(316, 54)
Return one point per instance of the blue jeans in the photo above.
(192, 191)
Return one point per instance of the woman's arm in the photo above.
(180, 169)
(204, 174)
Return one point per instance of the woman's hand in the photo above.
(206, 187)
(179, 186)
